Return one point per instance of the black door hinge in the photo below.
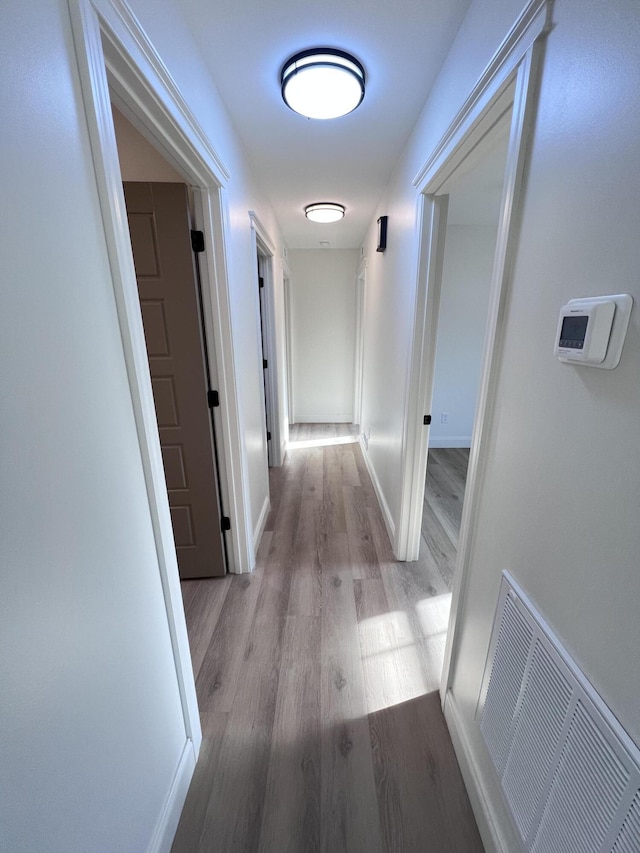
(268, 436)
(225, 523)
(260, 281)
(213, 399)
(426, 420)
(197, 241)
(265, 364)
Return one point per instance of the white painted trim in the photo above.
(450, 441)
(384, 507)
(142, 87)
(261, 524)
(521, 130)
(127, 37)
(87, 25)
(488, 823)
(361, 290)
(288, 331)
(432, 226)
(515, 59)
(169, 818)
(263, 245)
(136, 78)
(268, 245)
(533, 22)
(210, 213)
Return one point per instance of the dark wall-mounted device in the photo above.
(382, 234)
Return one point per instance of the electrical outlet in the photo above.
(444, 417)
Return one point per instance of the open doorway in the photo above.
(505, 93)
(134, 79)
(473, 197)
(267, 363)
(160, 216)
(271, 345)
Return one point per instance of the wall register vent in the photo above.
(568, 771)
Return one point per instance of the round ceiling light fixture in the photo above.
(322, 83)
(324, 211)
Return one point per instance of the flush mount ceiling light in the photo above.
(324, 211)
(322, 83)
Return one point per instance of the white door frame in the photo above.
(361, 287)
(116, 59)
(264, 248)
(517, 60)
(288, 342)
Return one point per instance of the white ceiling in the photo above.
(401, 44)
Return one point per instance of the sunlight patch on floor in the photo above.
(433, 614)
(321, 442)
(393, 671)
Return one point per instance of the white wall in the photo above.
(560, 500)
(464, 300)
(323, 299)
(92, 726)
(139, 160)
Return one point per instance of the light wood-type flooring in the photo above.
(317, 674)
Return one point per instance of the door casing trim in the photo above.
(517, 60)
(263, 246)
(117, 61)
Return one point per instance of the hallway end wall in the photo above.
(323, 305)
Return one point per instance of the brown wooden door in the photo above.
(170, 302)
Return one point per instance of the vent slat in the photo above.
(512, 651)
(628, 841)
(587, 788)
(545, 704)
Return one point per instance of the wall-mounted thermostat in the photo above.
(591, 331)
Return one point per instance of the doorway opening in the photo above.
(271, 344)
(165, 253)
(117, 64)
(288, 343)
(267, 366)
(471, 199)
(505, 93)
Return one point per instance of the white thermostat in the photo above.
(591, 331)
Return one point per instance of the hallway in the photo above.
(317, 678)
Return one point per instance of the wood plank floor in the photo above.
(317, 674)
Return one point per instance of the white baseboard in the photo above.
(262, 520)
(493, 838)
(450, 441)
(384, 507)
(324, 418)
(167, 824)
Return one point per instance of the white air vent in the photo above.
(569, 773)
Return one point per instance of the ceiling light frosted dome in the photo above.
(324, 211)
(322, 83)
